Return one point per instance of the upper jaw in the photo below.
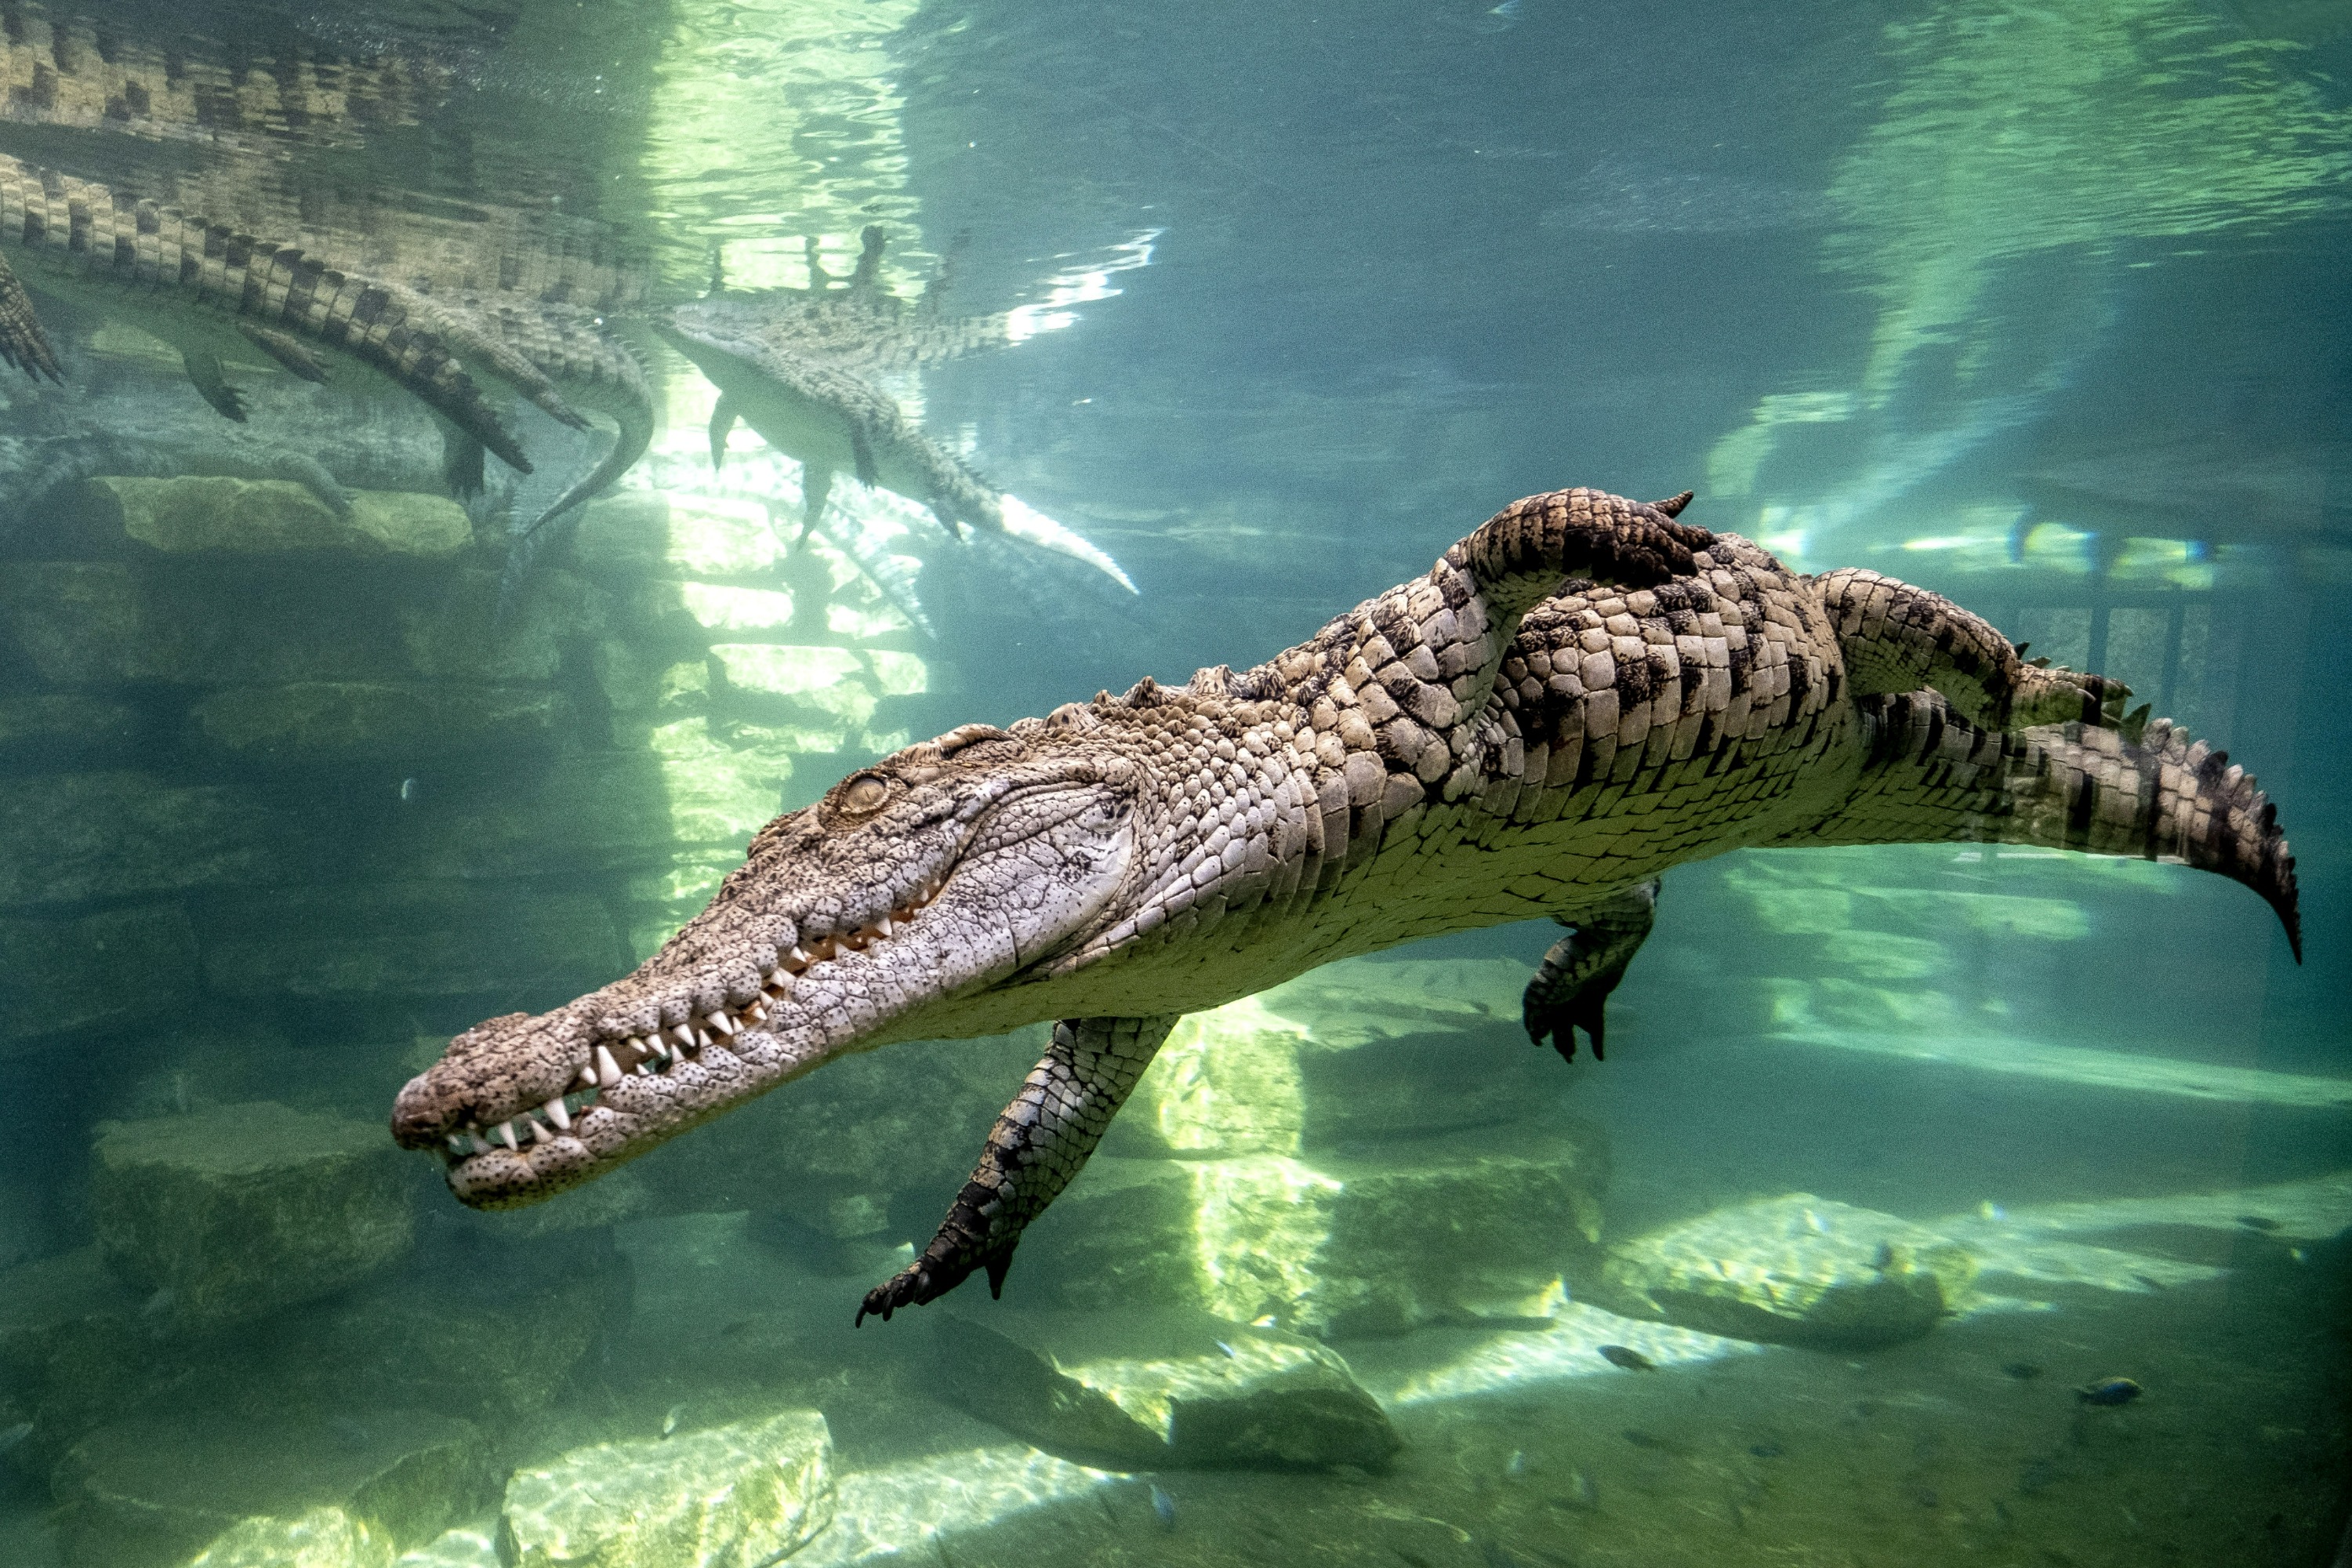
(743, 999)
(524, 1105)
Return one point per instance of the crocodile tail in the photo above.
(1930, 776)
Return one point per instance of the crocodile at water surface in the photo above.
(1582, 693)
(210, 290)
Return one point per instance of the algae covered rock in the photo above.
(407, 939)
(1795, 1269)
(322, 1538)
(187, 514)
(1152, 1390)
(728, 1496)
(1470, 1228)
(238, 1210)
(71, 1345)
(159, 1489)
(1354, 1051)
(349, 719)
(66, 974)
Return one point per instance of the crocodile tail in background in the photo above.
(1931, 776)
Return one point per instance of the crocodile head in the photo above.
(903, 904)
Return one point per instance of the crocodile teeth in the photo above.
(722, 1023)
(506, 1135)
(684, 1035)
(557, 1114)
(757, 1011)
(538, 1129)
(608, 1071)
(797, 960)
(882, 928)
(587, 1078)
(644, 1070)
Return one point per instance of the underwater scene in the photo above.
(1007, 784)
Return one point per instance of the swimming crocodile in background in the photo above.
(800, 368)
(1482, 744)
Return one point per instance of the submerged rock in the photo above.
(322, 1538)
(1470, 1228)
(238, 1210)
(191, 513)
(66, 974)
(1355, 1051)
(122, 835)
(1149, 1391)
(728, 1496)
(407, 938)
(156, 1491)
(71, 1349)
(347, 718)
(1794, 1269)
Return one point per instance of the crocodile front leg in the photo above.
(1034, 1151)
(1571, 987)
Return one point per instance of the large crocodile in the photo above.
(1485, 743)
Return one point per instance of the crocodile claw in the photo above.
(926, 1279)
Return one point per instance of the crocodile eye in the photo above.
(865, 792)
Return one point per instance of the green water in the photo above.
(307, 765)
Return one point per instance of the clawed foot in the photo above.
(1558, 1017)
(927, 1279)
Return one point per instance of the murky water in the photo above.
(934, 365)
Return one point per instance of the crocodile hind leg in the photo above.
(1571, 988)
(204, 372)
(1038, 1146)
(23, 343)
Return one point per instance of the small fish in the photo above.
(1991, 1211)
(1508, 10)
(2109, 1391)
(1625, 1356)
(12, 1436)
(1164, 1507)
(1766, 1450)
(1883, 1259)
(1517, 1464)
(2023, 1371)
(1231, 1353)
(409, 788)
(2258, 1222)
(670, 1420)
(1265, 1322)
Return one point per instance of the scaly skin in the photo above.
(824, 417)
(1482, 744)
(204, 288)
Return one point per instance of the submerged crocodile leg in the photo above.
(1038, 1146)
(1895, 637)
(816, 487)
(23, 343)
(461, 460)
(286, 349)
(1572, 985)
(204, 372)
(723, 416)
